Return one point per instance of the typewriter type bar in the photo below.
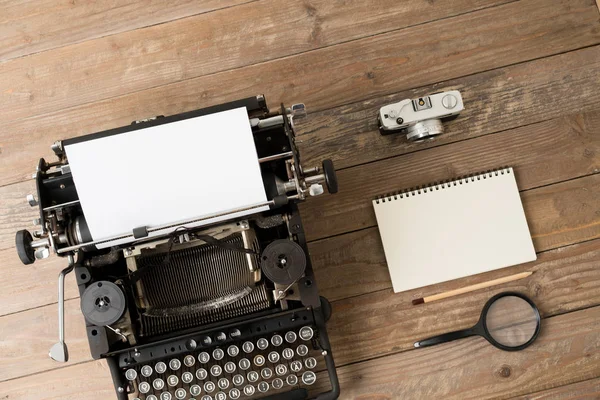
(223, 310)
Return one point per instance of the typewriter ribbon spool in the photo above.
(103, 303)
(283, 261)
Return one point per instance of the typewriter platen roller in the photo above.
(222, 310)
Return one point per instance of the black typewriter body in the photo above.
(228, 310)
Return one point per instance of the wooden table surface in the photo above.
(529, 72)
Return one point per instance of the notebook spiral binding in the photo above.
(431, 187)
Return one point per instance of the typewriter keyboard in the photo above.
(238, 369)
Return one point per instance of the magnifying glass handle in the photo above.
(446, 337)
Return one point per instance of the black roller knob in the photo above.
(325, 308)
(330, 176)
(25, 251)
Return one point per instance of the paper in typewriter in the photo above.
(449, 231)
(167, 174)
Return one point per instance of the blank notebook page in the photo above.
(451, 230)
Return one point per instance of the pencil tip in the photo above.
(416, 344)
(418, 301)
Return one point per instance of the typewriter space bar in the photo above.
(297, 394)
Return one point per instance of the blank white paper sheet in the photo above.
(168, 173)
(451, 230)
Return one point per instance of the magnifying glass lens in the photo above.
(511, 321)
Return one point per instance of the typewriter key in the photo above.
(310, 362)
(296, 366)
(216, 370)
(290, 337)
(281, 369)
(302, 350)
(309, 377)
(136, 398)
(229, 367)
(266, 373)
(252, 376)
(223, 383)
(277, 383)
(238, 380)
(206, 340)
(209, 387)
(221, 337)
(291, 380)
(306, 333)
(259, 360)
(160, 367)
(130, 374)
(158, 384)
(174, 364)
(180, 394)
(287, 353)
(235, 393)
(146, 371)
(207, 397)
(233, 350)
(201, 374)
(262, 343)
(220, 396)
(151, 397)
(248, 390)
(166, 396)
(218, 354)
(204, 357)
(235, 333)
(187, 377)
(263, 387)
(248, 347)
(276, 340)
(144, 387)
(195, 390)
(189, 361)
(244, 364)
(273, 357)
(172, 380)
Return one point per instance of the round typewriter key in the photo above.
(263, 387)
(235, 333)
(146, 371)
(235, 393)
(166, 396)
(180, 394)
(201, 374)
(229, 367)
(287, 353)
(144, 387)
(233, 350)
(276, 340)
(309, 377)
(266, 373)
(172, 380)
(244, 364)
(204, 357)
(259, 360)
(216, 370)
(306, 333)
(174, 364)
(248, 390)
(262, 343)
(209, 387)
(291, 380)
(291, 337)
(218, 354)
(160, 367)
(151, 397)
(302, 350)
(277, 383)
(221, 337)
(252, 376)
(296, 366)
(220, 396)
(273, 357)
(195, 390)
(248, 347)
(130, 374)
(187, 377)
(206, 340)
(189, 361)
(281, 369)
(136, 398)
(223, 383)
(206, 397)
(238, 380)
(310, 362)
(158, 384)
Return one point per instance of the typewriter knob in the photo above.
(25, 251)
(330, 176)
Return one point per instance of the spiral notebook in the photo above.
(458, 228)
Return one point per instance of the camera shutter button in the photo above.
(449, 101)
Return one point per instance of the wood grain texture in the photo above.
(567, 350)
(28, 27)
(541, 154)
(464, 45)
(585, 390)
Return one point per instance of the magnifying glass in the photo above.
(510, 321)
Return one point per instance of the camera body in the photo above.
(420, 118)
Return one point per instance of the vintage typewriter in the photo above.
(222, 306)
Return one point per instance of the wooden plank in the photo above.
(28, 27)
(566, 351)
(541, 154)
(586, 390)
(526, 30)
